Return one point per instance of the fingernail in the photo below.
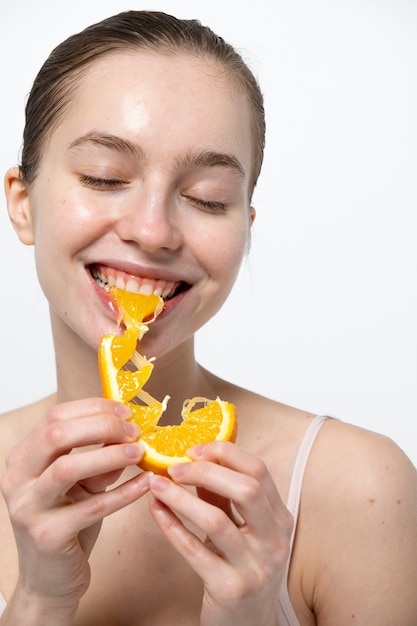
(134, 450)
(122, 410)
(196, 451)
(158, 483)
(131, 429)
(177, 469)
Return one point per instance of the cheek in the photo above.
(52, 235)
(63, 221)
(60, 230)
(225, 249)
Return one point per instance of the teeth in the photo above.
(100, 279)
(161, 288)
(168, 293)
(120, 283)
(146, 289)
(131, 285)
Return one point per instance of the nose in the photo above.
(151, 221)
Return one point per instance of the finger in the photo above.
(56, 435)
(234, 457)
(260, 510)
(210, 520)
(202, 559)
(89, 469)
(222, 503)
(55, 528)
(89, 407)
(100, 483)
(100, 505)
(229, 582)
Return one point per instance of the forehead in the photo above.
(175, 98)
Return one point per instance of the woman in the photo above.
(143, 143)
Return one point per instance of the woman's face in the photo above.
(144, 183)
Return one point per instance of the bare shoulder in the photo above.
(366, 466)
(358, 529)
(15, 424)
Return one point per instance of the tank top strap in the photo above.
(303, 454)
(286, 612)
(3, 604)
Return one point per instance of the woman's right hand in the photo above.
(57, 497)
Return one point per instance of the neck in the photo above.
(76, 364)
(176, 373)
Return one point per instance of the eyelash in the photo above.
(110, 183)
(210, 205)
(104, 183)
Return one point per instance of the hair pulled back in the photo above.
(56, 82)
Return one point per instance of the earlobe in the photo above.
(252, 215)
(18, 205)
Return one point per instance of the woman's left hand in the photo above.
(245, 526)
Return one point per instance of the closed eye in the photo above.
(208, 205)
(101, 183)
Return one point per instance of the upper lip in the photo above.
(111, 274)
(140, 271)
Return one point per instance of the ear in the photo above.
(252, 215)
(18, 205)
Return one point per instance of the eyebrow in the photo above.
(210, 158)
(205, 158)
(108, 141)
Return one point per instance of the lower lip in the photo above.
(171, 304)
(105, 299)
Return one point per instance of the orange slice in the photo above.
(135, 308)
(124, 372)
(115, 352)
(215, 420)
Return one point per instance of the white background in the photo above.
(324, 313)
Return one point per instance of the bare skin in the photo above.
(87, 538)
(131, 555)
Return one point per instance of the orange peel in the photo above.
(124, 372)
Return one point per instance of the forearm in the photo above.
(26, 609)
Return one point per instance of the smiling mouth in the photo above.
(106, 277)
